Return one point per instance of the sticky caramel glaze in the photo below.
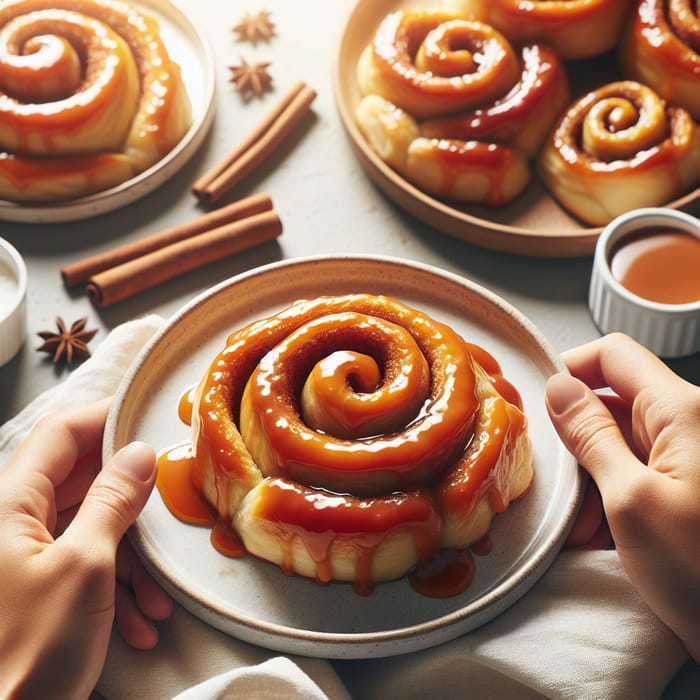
(622, 120)
(481, 64)
(57, 68)
(477, 473)
(95, 171)
(495, 374)
(181, 497)
(482, 547)
(661, 48)
(185, 404)
(447, 574)
(226, 540)
(523, 116)
(325, 521)
(365, 466)
(492, 174)
(374, 389)
(408, 447)
(463, 171)
(177, 489)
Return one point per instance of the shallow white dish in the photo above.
(188, 47)
(254, 600)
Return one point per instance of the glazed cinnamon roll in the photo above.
(454, 108)
(661, 48)
(619, 148)
(576, 29)
(90, 97)
(350, 438)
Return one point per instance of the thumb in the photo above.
(588, 430)
(117, 495)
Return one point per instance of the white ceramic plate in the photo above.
(188, 47)
(254, 600)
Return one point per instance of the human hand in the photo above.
(642, 449)
(67, 572)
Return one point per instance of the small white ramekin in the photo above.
(668, 330)
(13, 306)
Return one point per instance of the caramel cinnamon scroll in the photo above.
(90, 97)
(340, 435)
(575, 29)
(661, 48)
(454, 108)
(619, 148)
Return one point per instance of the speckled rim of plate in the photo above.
(403, 621)
(187, 45)
(534, 235)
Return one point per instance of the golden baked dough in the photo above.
(454, 108)
(350, 438)
(465, 171)
(661, 48)
(89, 97)
(618, 148)
(575, 29)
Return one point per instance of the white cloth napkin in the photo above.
(581, 632)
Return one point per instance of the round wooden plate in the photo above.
(533, 225)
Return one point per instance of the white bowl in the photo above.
(668, 330)
(13, 301)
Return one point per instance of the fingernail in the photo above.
(137, 460)
(563, 392)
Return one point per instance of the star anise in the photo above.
(68, 344)
(255, 27)
(251, 77)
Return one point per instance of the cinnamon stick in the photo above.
(257, 146)
(80, 271)
(137, 275)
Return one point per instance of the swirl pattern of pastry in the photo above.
(431, 63)
(575, 29)
(661, 48)
(453, 107)
(351, 438)
(89, 97)
(618, 148)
